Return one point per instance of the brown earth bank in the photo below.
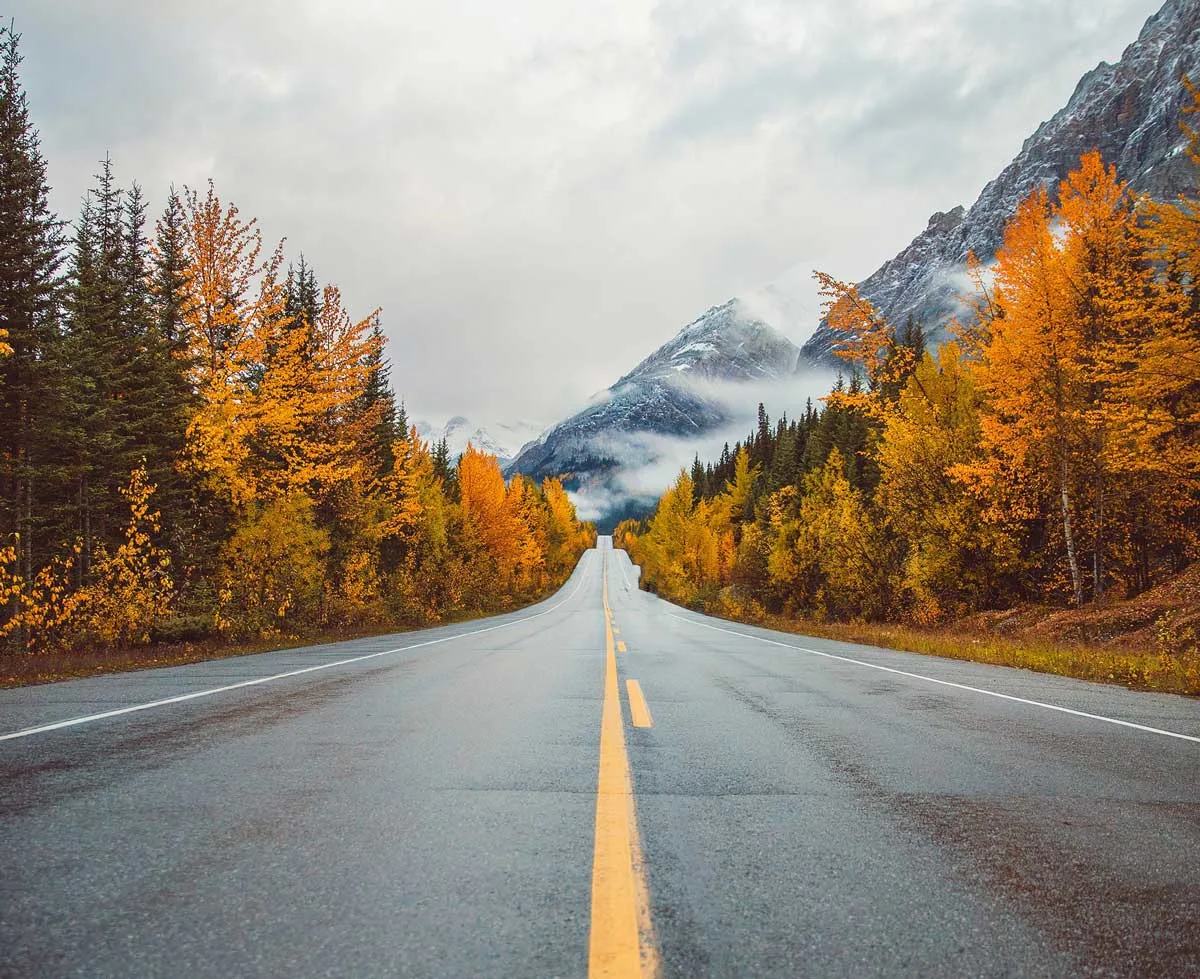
(1150, 642)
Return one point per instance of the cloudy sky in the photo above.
(537, 192)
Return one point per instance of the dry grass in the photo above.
(1149, 642)
(1167, 672)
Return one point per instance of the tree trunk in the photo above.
(1068, 532)
(1098, 546)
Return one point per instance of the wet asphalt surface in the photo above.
(430, 812)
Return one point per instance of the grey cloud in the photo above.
(536, 193)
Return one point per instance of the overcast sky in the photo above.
(539, 193)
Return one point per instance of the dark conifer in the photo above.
(31, 377)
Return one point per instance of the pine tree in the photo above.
(387, 422)
(31, 377)
(119, 366)
(169, 277)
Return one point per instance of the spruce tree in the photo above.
(31, 377)
(699, 486)
(169, 276)
(100, 348)
(378, 402)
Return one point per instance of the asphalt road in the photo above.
(458, 804)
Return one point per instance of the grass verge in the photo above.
(1177, 672)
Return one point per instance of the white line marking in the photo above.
(621, 566)
(945, 683)
(88, 718)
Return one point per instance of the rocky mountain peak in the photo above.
(1129, 111)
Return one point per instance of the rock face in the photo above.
(702, 380)
(1129, 111)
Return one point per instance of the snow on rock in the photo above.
(501, 439)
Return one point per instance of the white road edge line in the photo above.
(624, 576)
(945, 683)
(89, 718)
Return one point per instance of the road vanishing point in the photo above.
(603, 784)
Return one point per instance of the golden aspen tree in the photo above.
(662, 549)
(1160, 379)
(827, 549)
(415, 532)
(234, 297)
(528, 514)
(1095, 219)
(566, 538)
(1030, 372)
(492, 537)
(954, 561)
(1068, 282)
(301, 424)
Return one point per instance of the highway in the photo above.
(602, 784)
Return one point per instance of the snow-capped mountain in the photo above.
(701, 387)
(501, 439)
(1129, 111)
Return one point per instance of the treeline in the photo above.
(1050, 452)
(196, 437)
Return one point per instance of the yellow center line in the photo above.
(639, 711)
(621, 646)
(622, 940)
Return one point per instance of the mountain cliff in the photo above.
(1129, 111)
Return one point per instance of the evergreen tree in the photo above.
(302, 296)
(443, 468)
(388, 423)
(169, 279)
(31, 376)
(698, 481)
(101, 347)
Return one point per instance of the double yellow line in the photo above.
(622, 942)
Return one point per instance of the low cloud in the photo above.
(648, 463)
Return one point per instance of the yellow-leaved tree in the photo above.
(953, 560)
(233, 304)
(826, 554)
(1055, 434)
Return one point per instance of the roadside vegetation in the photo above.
(1046, 458)
(200, 450)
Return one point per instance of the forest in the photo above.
(1048, 452)
(199, 440)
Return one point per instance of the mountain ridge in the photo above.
(1130, 111)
